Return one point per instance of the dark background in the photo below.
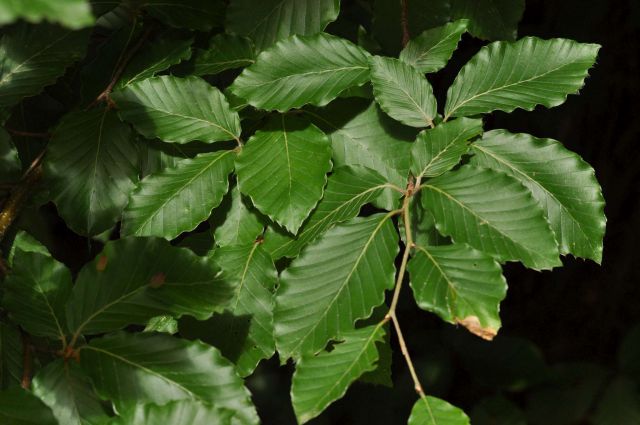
(557, 351)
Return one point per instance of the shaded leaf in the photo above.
(35, 293)
(321, 379)
(10, 165)
(619, 404)
(20, 407)
(239, 225)
(461, 285)
(526, 73)
(497, 410)
(438, 150)
(494, 213)
(34, 56)
(70, 13)
(131, 369)
(559, 180)
(201, 15)
(181, 412)
(294, 156)
(431, 50)
(268, 21)
(135, 279)
(490, 19)
(225, 52)
(11, 355)
(402, 92)
(178, 110)
(302, 70)
(26, 243)
(346, 273)
(177, 199)
(68, 392)
(433, 411)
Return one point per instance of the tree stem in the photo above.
(404, 21)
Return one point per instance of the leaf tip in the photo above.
(472, 323)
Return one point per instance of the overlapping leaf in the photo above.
(321, 379)
(67, 391)
(11, 354)
(70, 13)
(179, 198)
(90, 169)
(492, 212)
(131, 369)
(348, 189)
(268, 21)
(34, 56)
(461, 285)
(504, 76)
(20, 407)
(181, 412)
(302, 70)
(225, 52)
(135, 279)
(346, 273)
(201, 15)
(437, 150)
(490, 19)
(431, 50)
(402, 92)
(35, 294)
(559, 179)
(294, 156)
(178, 110)
(433, 411)
(238, 225)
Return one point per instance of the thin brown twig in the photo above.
(404, 21)
(28, 134)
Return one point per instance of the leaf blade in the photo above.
(433, 411)
(431, 50)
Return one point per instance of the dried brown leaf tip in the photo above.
(101, 265)
(157, 280)
(472, 323)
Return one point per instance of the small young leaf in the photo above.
(402, 92)
(431, 50)
(131, 369)
(91, 194)
(225, 52)
(177, 199)
(268, 21)
(345, 273)
(201, 15)
(180, 412)
(461, 285)
(559, 179)
(20, 407)
(437, 150)
(494, 213)
(239, 226)
(178, 110)
(294, 156)
(73, 14)
(302, 70)
(526, 73)
(490, 19)
(433, 411)
(36, 292)
(321, 379)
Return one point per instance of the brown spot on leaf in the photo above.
(102, 263)
(157, 280)
(472, 323)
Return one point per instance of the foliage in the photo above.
(252, 179)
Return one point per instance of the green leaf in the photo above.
(166, 324)
(158, 56)
(135, 279)
(90, 169)
(363, 135)
(461, 285)
(178, 110)
(132, 369)
(244, 333)
(239, 225)
(268, 21)
(524, 74)
(490, 19)
(345, 273)
(70, 13)
(181, 412)
(433, 411)
(26, 243)
(201, 15)
(20, 407)
(302, 70)
(225, 52)
(348, 189)
(34, 56)
(402, 92)
(11, 355)
(177, 199)
(321, 379)
(494, 213)
(35, 293)
(294, 157)
(559, 180)
(431, 50)
(438, 150)
(10, 165)
(68, 392)
(620, 403)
